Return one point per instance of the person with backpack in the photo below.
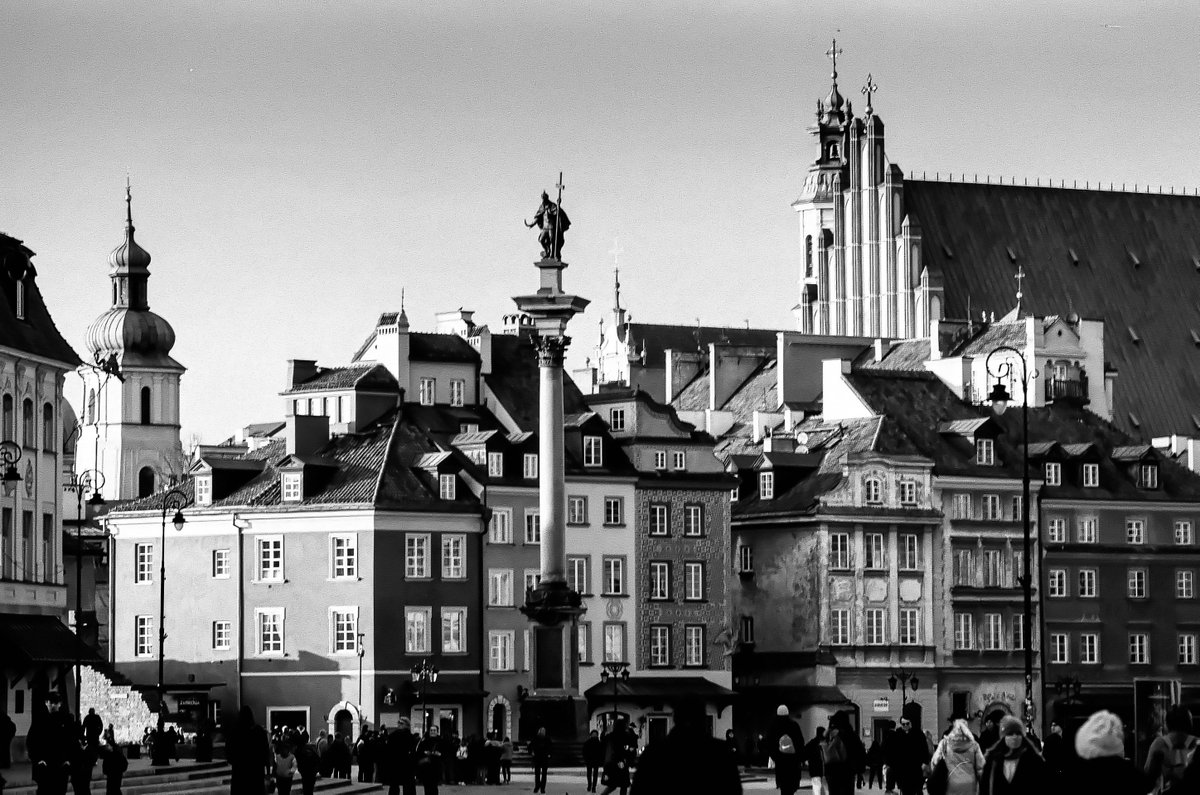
(1102, 766)
(1170, 754)
(814, 754)
(114, 766)
(957, 763)
(845, 756)
(785, 743)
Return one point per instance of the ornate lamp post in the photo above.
(10, 454)
(424, 674)
(999, 397)
(80, 483)
(618, 672)
(905, 679)
(361, 650)
(174, 500)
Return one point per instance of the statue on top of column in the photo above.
(553, 221)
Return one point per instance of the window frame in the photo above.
(620, 633)
(612, 569)
(458, 392)
(874, 626)
(427, 613)
(695, 581)
(616, 419)
(500, 596)
(873, 490)
(614, 511)
(660, 581)
(343, 562)
(1091, 476)
(660, 519)
(908, 492)
(660, 646)
(840, 559)
(874, 552)
(1088, 531)
(291, 486)
(143, 562)
(660, 459)
(447, 486)
(693, 520)
(532, 521)
(1135, 530)
(414, 543)
(577, 509)
(260, 632)
(269, 568)
(447, 556)
(1056, 584)
(679, 460)
(576, 580)
(1056, 530)
(766, 485)
(222, 635)
(501, 532)
(699, 645)
(143, 636)
(1052, 473)
(964, 632)
(1087, 579)
(449, 612)
(203, 489)
(1089, 656)
(1135, 583)
(993, 632)
(338, 647)
(508, 644)
(1190, 657)
(985, 452)
(1184, 532)
(593, 451)
(1182, 577)
(427, 391)
(221, 563)
(909, 621)
(909, 559)
(1139, 648)
(1060, 648)
(529, 466)
(495, 464)
(1148, 476)
(839, 626)
(991, 508)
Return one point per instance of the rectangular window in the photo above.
(533, 526)
(693, 520)
(839, 550)
(910, 552)
(660, 645)
(660, 459)
(614, 511)
(1088, 530)
(343, 628)
(1184, 584)
(876, 627)
(500, 588)
(454, 630)
(659, 522)
(745, 557)
(428, 391)
(143, 640)
(144, 561)
(993, 569)
(1056, 530)
(1187, 648)
(964, 631)
(873, 551)
(416, 629)
(1060, 650)
(222, 635)
(1087, 583)
(910, 626)
(593, 455)
(416, 556)
(1135, 531)
(1183, 533)
(1053, 474)
(500, 649)
(293, 486)
(446, 486)
(985, 452)
(1089, 648)
(614, 576)
(660, 579)
(993, 632)
(964, 567)
(908, 492)
(962, 506)
(500, 529)
(530, 466)
(693, 581)
(1091, 476)
(532, 578)
(678, 460)
(1056, 583)
(1018, 503)
(220, 563)
(1148, 476)
(454, 556)
(577, 574)
(343, 557)
(1018, 631)
(1136, 583)
(270, 630)
(270, 558)
(991, 506)
(614, 642)
(495, 463)
(693, 645)
(576, 510)
(1139, 649)
(203, 489)
(616, 419)
(766, 485)
(458, 391)
(733, 493)
(341, 403)
(585, 641)
(839, 627)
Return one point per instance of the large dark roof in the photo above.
(1134, 264)
(36, 334)
(659, 337)
(356, 376)
(34, 640)
(425, 347)
(514, 380)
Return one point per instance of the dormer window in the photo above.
(458, 391)
(660, 459)
(204, 490)
(1148, 476)
(495, 463)
(593, 455)
(873, 490)
(908, 492)
(733, 494)
(20, 296)
(679, 460)
(985, 452)
(1091, 476)
(446, 486)
(428, 390)
(766, 485)
(293, 486)
(616, 419)
(531, 466)
(1053, 474)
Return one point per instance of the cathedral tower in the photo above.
(130, 421)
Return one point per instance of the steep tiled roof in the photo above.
(902, 355)
(991, 337)
(757, 393)
(694, 395)
(36, 334)
(426, 347)
(1094, 251)
(356, 376)
(659, 337)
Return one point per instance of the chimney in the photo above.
(880, 349)
(458, 321)
(300, 370)
(482, 342)
(306, 434)
(935, 339)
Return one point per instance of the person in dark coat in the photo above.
(593, 758)
(844, 755)
(618, 756)
(397, 762)
(912, 755)
(204, 742)
(493, 749)
(814, 756)
(339, 756)
(1102, 766)
(308, 764)
(429, 754)
(93, 727)
(875, 763)
(687, 760)
(81, 770)
(113, 766)
(53, 746)
(365, 748)
(1013, 766)
(785, 744)
(249, 754)
(539, 749)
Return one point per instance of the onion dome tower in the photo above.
(130, 416)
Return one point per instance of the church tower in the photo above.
(130, 420)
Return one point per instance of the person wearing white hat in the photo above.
(1100, 746)
(785, 744)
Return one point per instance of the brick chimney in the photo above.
(300, 370)
(306, 434)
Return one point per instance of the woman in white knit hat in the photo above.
(963, 759)
(1102, 767)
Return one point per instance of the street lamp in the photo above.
(80, 482)
(905, 679)
(174, 500)
(618, 672)
(424, 674)
(10, 454)
(999, 398)
(361, 651)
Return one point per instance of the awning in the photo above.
(35, 640)
(795, 695)
(648, 690)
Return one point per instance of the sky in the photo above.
(295, 166)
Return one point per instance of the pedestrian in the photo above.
(397, 758)
(285, 768)
(1102, 766)
(506, 757)
(784, 743)
(493, 751)
(1054, 751)
(204, 741)
(1170, 753)
(308, 764)
(52, 746)
(731, 744)
(114, 766)
(989, 735)
(539, 749)
(814, 755)
(429, 754)
(325, 768)
(249, 754)
(365, 750)
(1013, 766)
(687, 760)
(8, 730)
(912, 754)
(81, 769)
(845, 756)
(93, 727)
(593, 758)
(957, 763)
(339, 756)
(891, 755)
(617, 759)
(874, 763)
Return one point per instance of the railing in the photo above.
(1067, 388)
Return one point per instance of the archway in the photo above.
(500, 716)
(145, 482)
(345, 717)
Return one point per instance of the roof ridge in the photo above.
(387, 457)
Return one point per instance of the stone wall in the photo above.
(120, 705)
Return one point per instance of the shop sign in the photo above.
(880, 705)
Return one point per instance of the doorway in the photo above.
(343, 724)
(656, 728)
(498, 721)
(287, 718)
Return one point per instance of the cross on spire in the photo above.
(867, 90)
(832, 53)
(1020, 277)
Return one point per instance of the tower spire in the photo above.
(834, 101)
(616, 252)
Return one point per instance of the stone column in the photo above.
(551, 467)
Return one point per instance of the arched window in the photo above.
(873, 489)
(808, 262)
(9, 418)
(20, 299)
(48, 427)
(145, 482)
(28, 429)
(91, 407)
(145, 405)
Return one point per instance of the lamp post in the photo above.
(81, 482)
(10, 454)
(174, 500)
(361, 650)
(905, 679)
(424, 674)
(999, 398)
(618, 672)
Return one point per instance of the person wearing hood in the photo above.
(1102, 766)
(1169, 754)
(1014, 766)
(785, 744)
(687, 760)
(963, 758)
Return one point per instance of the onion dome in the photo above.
(129, 256)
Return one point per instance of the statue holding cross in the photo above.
(553, 221)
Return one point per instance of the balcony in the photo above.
(1073, 390)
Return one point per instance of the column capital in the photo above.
(551, 350)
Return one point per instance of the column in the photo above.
(551, 466)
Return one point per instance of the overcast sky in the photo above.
(295, 165)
